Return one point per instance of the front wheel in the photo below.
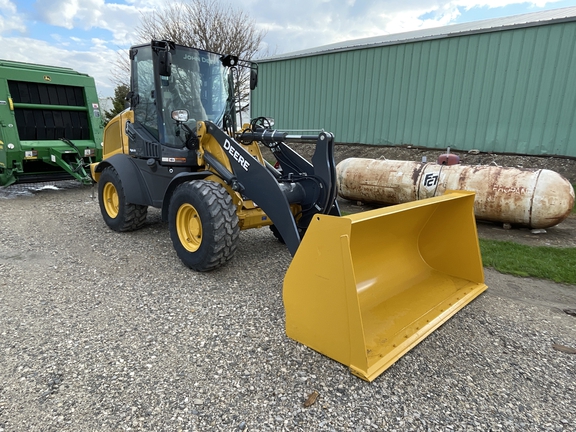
(118, 214)
(203, 225)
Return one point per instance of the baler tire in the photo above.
(118, 214)
(203, 225)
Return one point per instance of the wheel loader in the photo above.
(362, 289)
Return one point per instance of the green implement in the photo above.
(50, 124)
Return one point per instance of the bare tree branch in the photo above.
(205, 24)
(121, 69)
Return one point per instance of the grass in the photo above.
(556, 264)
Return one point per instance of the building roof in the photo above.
(533, 19)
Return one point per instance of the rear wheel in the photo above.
(117, 213)
(276, 233)
(203, 225)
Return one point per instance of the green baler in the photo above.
(50, 123)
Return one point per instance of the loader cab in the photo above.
(167, 77)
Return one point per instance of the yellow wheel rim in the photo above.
(111, 201)
(189, 227)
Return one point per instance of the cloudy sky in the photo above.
(86, 34)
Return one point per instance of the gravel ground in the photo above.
(106, 331)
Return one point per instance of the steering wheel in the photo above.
(260, 123)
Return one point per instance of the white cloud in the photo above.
(469, 4)
(10, 19)
(301, 24)
(96, 61)
(291, 25)
(120, 19)
(7, 5)
(69, 13)
(147, 3)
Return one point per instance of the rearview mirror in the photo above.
(253, 78)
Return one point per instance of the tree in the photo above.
(118, 102)
(204, 24)
(121, 70)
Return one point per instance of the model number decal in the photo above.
(237, 156)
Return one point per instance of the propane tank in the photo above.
(537, 198)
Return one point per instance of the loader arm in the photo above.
(314, 189)
(322, 170)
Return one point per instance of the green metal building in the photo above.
(502, 85)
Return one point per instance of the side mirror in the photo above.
(128, 99)
(180, 116)
(253, 78)
(165, 63)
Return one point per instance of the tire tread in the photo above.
(222, 213)
(131, 216)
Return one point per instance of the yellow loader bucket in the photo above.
(364, 289)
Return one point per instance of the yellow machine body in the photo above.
(366, 288)
(115, 139)
(248, 212)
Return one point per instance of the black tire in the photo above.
(203, 224)
(276, 233)
(118, 214)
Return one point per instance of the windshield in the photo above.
(198, 83)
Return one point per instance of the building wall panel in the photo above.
(506, 91)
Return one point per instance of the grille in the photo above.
(46, 94)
